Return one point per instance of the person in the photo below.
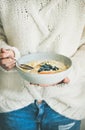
(28, 26)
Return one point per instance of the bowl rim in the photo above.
(45, 53)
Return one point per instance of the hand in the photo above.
(6, 59)
(66, 80)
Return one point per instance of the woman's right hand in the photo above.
(6, 59)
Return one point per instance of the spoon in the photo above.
(23, 66)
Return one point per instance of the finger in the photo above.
(3, 50)
(7, 62)
(11, 53)
(10, 67)
(45, 85)
(34, 84)
(6, 53)
(66, 80)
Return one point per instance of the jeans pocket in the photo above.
(66, 126)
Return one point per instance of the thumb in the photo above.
(66, 80)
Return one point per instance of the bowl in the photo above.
(37, 78)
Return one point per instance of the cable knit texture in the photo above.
(28, 26)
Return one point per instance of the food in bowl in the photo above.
(46, 67)
(49, 68)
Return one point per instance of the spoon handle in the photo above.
(23, 66)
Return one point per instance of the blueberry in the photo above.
(55, 68)
(47, 67)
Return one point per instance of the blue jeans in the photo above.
(36, 117)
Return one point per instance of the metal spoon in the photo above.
(23, 66)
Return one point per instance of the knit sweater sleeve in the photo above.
(4, 43)
(78, 65)
(78, 60)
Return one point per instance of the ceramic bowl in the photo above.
(44, 78)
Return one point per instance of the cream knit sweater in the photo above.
(28, 26)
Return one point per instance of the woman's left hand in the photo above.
(65, 80)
